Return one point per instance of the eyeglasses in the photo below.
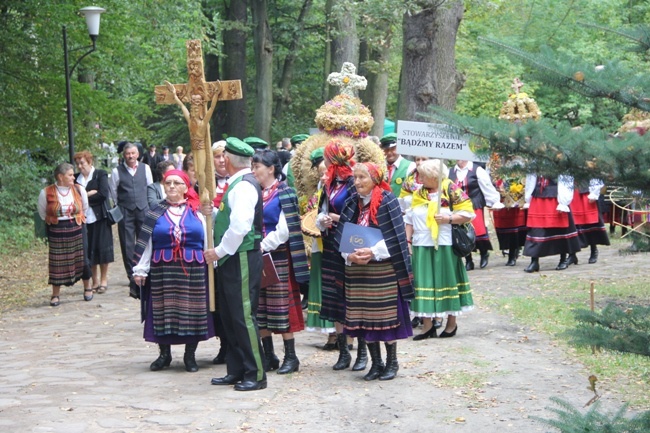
(174, 183)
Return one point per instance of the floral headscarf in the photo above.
(377, 175)
(190, 195)
(340, 157)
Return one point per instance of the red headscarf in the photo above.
(191, 196)
(377, 175)
(339, 156)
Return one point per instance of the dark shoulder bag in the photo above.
(463, 237)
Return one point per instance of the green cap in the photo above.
(299, 138)
(388, 140)
(237, 147)
(256, 142)
(316, 154)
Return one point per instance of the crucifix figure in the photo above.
(347, 80)
(197, 92)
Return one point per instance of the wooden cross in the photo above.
(347, 80)
(517, 85)
(197, 92)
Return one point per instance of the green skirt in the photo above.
(441, 283)
(314, 322)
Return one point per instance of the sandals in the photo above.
(101, 290)
(86, 297)
(54, 303)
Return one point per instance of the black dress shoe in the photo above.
(563, 265)
(572, 259)
(445, 334)
(511, 262)
(593, 258)
(229, 379)
(416, 322)
(250, 385)
(484, 260)
(469, 266)
(437, 324)
(431, 333)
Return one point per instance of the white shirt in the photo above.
(242, 199)
(492, 196)
(66, 199)
(417, 217)
(83, 181)
(278, 236)
(115, 178)
(564, 191)
(397, 163)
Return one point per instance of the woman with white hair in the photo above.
(439, 276)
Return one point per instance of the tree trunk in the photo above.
(234, 68)
(263, 45)
(287, 71)
(429, 75)
(344, 39)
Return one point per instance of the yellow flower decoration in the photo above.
(399, 181)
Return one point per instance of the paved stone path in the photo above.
(83, 367)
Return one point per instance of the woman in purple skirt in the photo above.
(378, 279)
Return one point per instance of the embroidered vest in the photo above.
(53, 208)
(471, 187)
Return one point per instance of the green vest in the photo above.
(399, 176)
(222, 222)
(291, 181)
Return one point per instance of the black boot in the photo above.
(377, 366)
(512, 257)
(469, 263)
(223, 351)
(362, 355)
(189, 359)
(290, 363)
(272, 362)
(164, 359)
(390, 371)
(344, 353)
(593, 258)
(534, 265)
(484, 259)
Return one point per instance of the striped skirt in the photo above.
(510, 225)
(178, 305)
(279, 308)
(441, 284)
(314, 322)
(374, 309)
(333, 292)
(67, 258)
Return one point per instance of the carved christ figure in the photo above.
(198, 122)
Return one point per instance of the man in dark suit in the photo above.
(151, 158)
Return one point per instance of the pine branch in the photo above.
(638, 35)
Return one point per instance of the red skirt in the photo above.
(583, 211)
(509, 218)
(479, 223)
(543, 213)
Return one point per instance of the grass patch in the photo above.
(548, 308)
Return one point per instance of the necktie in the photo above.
(391, 170)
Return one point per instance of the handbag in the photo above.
(114, 214)
(463, 236)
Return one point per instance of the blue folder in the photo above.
(355, 236)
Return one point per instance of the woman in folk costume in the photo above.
(588, 220)
(279, 309)
(172, 272)
(476, 183)
(551, 230)
(314, 297)
(441, 284)
(62, 206)
(411, 184)
(337, 188)
(377, 279)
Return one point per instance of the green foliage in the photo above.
(21, 179)
(16, 236)
(570, 419)
(614, 328)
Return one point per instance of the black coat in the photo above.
(98, 202)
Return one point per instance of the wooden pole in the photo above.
(439, 191)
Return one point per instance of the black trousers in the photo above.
(128, 230)
(238, 288)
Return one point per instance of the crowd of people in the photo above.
(407, 275)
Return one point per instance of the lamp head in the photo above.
(92, 14)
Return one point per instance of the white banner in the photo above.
(432, 140)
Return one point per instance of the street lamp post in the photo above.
(92, 15)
